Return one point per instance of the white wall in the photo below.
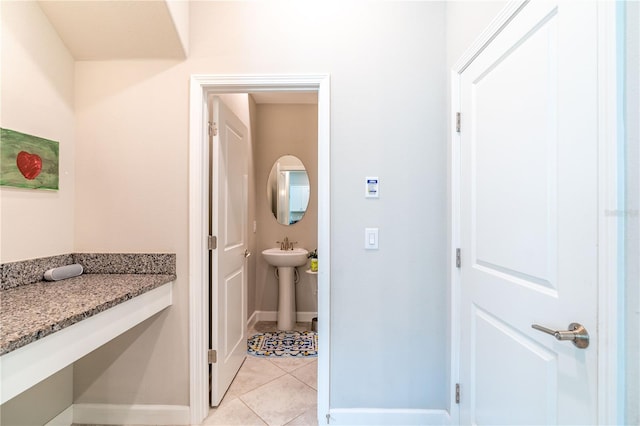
(36, 95)
(386, 61)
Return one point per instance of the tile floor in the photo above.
(270, 391)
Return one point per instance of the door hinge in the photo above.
(458, 122)
(212, 356)
(458, 258)
(213, 129)
(212, 242)
(328, 416)
(457, 393)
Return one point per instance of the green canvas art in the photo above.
(28, 161)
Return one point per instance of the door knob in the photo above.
(247, 253)
(576, 333)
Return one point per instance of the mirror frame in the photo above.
(279, 187)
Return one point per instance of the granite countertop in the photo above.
(31, 312)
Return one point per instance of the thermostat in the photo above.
(372, 187)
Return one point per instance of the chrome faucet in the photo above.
(286, 244)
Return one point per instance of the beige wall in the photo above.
(132, 195)
(179, 11)
(41, 403)
(36, 95)
(386, 61)
(285, 129)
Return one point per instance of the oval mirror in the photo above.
(288, 190)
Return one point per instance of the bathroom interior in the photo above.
(283, 127)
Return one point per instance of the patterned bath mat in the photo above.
(284, 344)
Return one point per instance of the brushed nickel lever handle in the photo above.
(576, 333)
(247, 253)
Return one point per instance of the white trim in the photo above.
(505, 16)
(253, 319)
(36, 361)
(610, 404)
(454, 238)
(63, 419)
(386, 416)
(324, 244)
(200, 87)
(139, 414)
(198, 268)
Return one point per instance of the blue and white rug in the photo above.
(284, 344)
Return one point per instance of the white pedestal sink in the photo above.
(285, 261)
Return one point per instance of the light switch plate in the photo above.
(371, 238)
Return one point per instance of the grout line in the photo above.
(250, 409)
(305, 383)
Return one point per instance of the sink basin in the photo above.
(280, 258)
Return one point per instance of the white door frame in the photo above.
(609, 325)
(200, 87)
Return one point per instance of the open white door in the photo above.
(528, 219)
(229, 198)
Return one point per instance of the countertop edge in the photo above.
(90, 311)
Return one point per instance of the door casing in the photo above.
(609, 325)
(201, 86)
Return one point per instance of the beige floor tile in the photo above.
(308, 418)
(233, 412)
(308, 374)
(254, 372)
(281, 400)
(291, 363)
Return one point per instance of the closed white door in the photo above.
(528, 230)
(229, 198)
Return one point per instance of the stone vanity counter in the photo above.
(31, 312)
(31, 309)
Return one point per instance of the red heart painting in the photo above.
(30, 165)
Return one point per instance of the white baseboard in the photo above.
(116, 414)
(63, 419)
(253, 319)
(384, 416)
(273, 316)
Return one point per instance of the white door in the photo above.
(528, 212)
(229, 160)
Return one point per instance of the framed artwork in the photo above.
(28, 161)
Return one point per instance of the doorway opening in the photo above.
(202, 87)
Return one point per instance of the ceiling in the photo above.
(115, 29)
